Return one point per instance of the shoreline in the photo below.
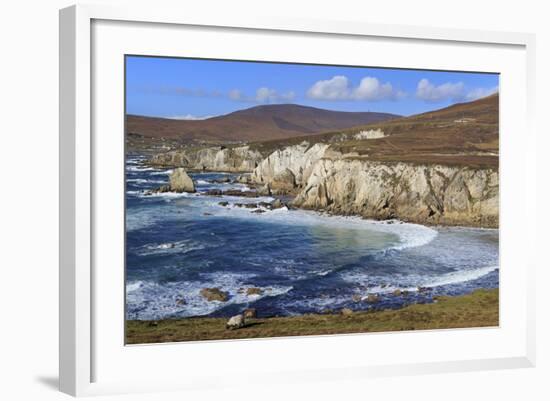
(479, 308)
(322, 211)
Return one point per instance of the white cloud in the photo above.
(371, 89)
(336, 88)
(478, 93)
(457, 91)
(262, 95)
(267, 95)
(339, 88)
(189, 117)
(429, 92)
(235, 94)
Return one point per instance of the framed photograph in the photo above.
(327, 199)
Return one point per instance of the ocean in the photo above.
(297, 261)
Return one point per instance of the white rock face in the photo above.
(433, 194)
(325, 179)
(237, 159)
(299, 159)
(181, 182)
(369, 134)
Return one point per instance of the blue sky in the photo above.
(192, 88)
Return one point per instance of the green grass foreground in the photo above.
(478, 309)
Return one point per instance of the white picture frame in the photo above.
(79, 317)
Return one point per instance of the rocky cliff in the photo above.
(427, 194)
(215, 158)
(297, 160)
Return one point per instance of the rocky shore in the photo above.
(425, 194)
(324, 179)
(478, 309)
(212, 158)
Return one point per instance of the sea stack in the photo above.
(180, 181)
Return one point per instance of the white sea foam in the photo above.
(144, 181)
(139, 168)
(130, 287)
(415, 281)
(166, 195)
(148, 300)
(180, 247)
(410, 235)
(459, 276)
(162, 172)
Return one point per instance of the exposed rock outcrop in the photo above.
(283, 182)
(215, 158)
(369, 134)
(428, 194)
(297, 159)
(325, 179)
(214, 294)
(181, 182)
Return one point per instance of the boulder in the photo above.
(346, 312)
(397, 292)
(181, 182)
(250, 313)
(223, 203)
(214, 294)
(235, 322)
(244, 194)
(373, 298)
(258, 211)
(283, 182)
(277, 204)
(161, 189)
(214, 192)
(356, 298)
(264, 191)
(222, 180)
(254, 291)
(243, 179)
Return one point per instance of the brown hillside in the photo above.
(461, 134)
(255, 124)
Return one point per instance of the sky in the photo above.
(197, 89)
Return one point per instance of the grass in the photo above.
(478, 309)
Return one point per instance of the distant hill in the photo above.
(259, 123)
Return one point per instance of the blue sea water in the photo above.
(303, 261)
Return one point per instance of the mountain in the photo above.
(254, 124)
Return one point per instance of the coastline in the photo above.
(477, 309)
(463, 209)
